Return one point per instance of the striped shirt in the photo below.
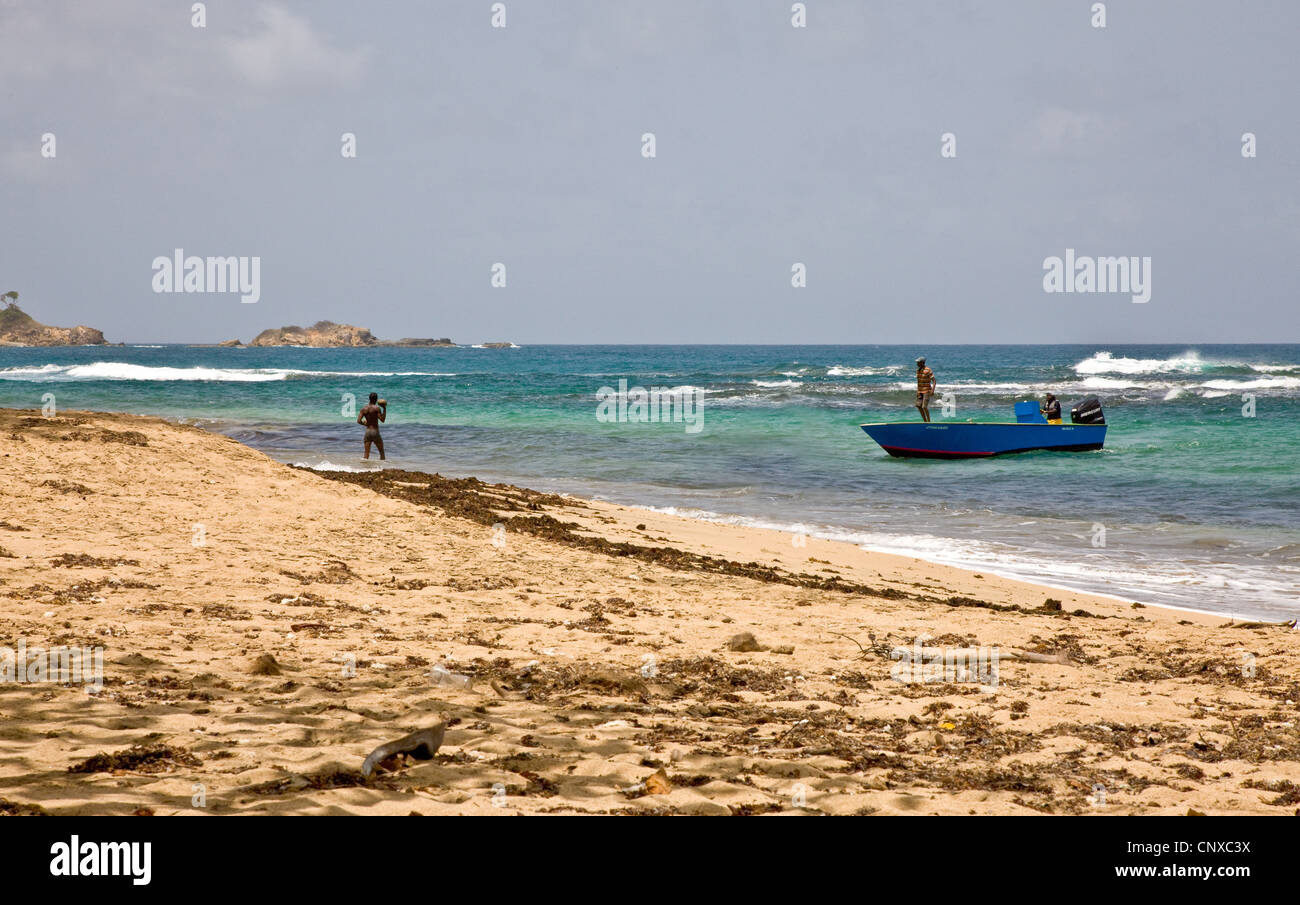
(925, 381)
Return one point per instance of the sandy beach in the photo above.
(264, 628)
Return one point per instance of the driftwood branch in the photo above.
(1026, 656)
(1285, 623)
(1030, 657)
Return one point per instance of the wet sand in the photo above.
(265, 628)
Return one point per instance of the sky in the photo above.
(774, 145)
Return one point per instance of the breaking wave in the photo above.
(1104, 363)
(1263, 383)
(1186, 363)
(115, 370)
(864, 371)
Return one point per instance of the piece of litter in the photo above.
(658, 783)
(421, 745)
(443, 676)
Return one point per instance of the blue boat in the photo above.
(976, 440)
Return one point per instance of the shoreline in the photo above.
(1046, 586)
(264, 628)
(965, 568)
(725, 521)
(720, 520)
(842, 553)
(735, 542)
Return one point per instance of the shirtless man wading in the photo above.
(370, 415)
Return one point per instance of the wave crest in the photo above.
(1105, 363)
(117, 370)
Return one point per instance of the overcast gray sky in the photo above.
(774, 145)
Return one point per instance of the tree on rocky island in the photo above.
(10, 298)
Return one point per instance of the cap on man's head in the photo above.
(1050, 396)
(920, 361)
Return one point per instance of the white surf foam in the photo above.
(327, 465)
(1189, 362)
(39, 373)
(864, 371)
(1086, 574)
(1262, 383)
(116, 370)
(1105, 363)
(1087, 383)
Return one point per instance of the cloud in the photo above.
(25, 164)
(44, 41)
(131, 53)
(288, 51)
(1057, 129)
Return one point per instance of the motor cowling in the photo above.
(1087, 412)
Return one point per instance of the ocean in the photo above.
(1194, 502)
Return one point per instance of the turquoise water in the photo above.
(1200, 504)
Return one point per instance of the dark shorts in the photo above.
(372, 434)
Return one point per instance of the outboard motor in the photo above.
(1088, 412)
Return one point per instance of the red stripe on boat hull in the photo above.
(903, 451)
(907, 452)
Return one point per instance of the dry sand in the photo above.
(595, 640)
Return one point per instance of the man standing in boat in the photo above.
(925, 385)
(1051, 409)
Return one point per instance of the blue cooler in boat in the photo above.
(1027, 413)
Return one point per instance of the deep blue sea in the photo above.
(1198, 493)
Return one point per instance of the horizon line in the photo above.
(519, 343)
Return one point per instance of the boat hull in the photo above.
(968, 440)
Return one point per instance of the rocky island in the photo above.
(413, 341)
(18, 328)
(323, 333)
(327, 334)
